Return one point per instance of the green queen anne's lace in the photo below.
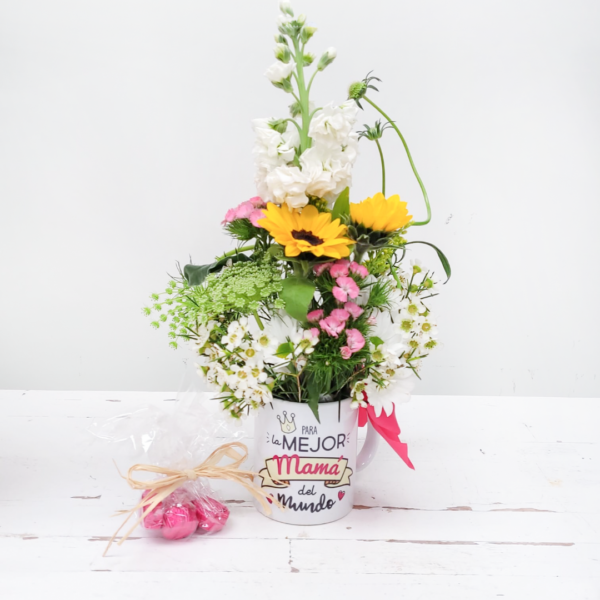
(241, 287)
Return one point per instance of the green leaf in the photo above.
(284, 350)
(196, 274)
(276, 251)
(341, 208)
(377, 341)
(314, 392)
(441, 256)
(297, 294)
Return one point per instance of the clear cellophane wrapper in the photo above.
(177, 435)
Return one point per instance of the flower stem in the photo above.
(358, 255)
(394, 273)
(311, 80)
(382, 167)
(303, 97)
(235, 251)
(258, 321)
(296, 124)
(412, 164)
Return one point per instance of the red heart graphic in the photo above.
(341, 495)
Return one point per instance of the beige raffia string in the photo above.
(210, 468)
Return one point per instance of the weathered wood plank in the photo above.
(505, 501)
(101, 585)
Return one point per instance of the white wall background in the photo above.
(125, 135)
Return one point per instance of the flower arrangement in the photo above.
(317, 302)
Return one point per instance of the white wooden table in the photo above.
(504, 503)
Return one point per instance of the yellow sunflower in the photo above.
(306, 231)
(379, 214)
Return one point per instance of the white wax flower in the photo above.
(278, 71)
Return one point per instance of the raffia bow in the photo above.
(174, 479)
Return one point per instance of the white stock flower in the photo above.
(267, 142)
(260, 179)
(284, 20)
(286, 7)
(332, 125)
(279, 71)
(271, 148)
(288, 184)
(327, 173)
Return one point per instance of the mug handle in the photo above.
(369, 449)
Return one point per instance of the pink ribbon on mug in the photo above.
(387, 427)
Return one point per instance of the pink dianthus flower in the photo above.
(331, 326)
(346, 288)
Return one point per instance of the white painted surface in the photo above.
(125, 135)
(504, 502)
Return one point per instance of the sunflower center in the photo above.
(307, 236)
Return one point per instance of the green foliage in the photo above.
(240, 288)
(284, 350)
(196, 274)
(358, 90)
(328, 371)
(380, 294)
(441, 256)
(378, 261)
(297, 293)
(241, 229)
(295, 109)
(341, 208)
(319, 203)
(313, 389)
(375, 132)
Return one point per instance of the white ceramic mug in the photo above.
(310, 467)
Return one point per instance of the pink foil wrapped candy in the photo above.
(154, 519)
(211, 514)
(179, 521)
